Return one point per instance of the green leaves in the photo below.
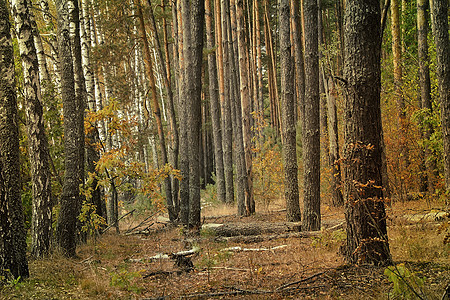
(407, 284)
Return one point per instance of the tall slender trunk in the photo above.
(227, 126)
(311, 154)
(246, 105)
(298, 60)
(37, 140)
(13, 246)
(215, 105)
(66, 230)
(290, 164)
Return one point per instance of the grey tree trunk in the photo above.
(37, 140)
(13, 245)
(215, 106)
(441, 39)
(288, 107)
(311, 147)
(66, 230)
(193, 14)
(367, 240)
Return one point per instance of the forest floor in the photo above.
(274, 266)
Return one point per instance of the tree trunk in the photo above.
(441, 39)
(425, 90)
(37, 140)
(246, 105)
(367, 240)
(13, 245)
(227, 126)
(288, 108)
(193, 14)
(215, 105)
(311, 156)
(298, 59)
(66, 230)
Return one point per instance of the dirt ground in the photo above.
(275, 266)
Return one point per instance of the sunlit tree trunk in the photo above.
(367, 240)
(37, 140)
(13, 246)
(311, 152)
(441, 39)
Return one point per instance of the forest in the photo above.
(224, 149)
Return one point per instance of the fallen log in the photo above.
(246, 229)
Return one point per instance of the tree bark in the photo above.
(367, 240)
(441, 39)
(246, 105)
(37, 140)
(311, 154)
(13, 245)
(288, 108)
(193, 14)
(66, 230)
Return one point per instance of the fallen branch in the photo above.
(140, 224)
(260, 238)
(284, 286)
(107, 228)
(237, 248)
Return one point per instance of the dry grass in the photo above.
(117, 266)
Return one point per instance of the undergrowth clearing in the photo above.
(133, 266)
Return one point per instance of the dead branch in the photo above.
(238, 249)
(107, 228)
(284, 286)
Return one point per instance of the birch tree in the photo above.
(13, 246)
(37, 139)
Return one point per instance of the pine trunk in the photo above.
(288, 108)
(311, 152)
(367, 240)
